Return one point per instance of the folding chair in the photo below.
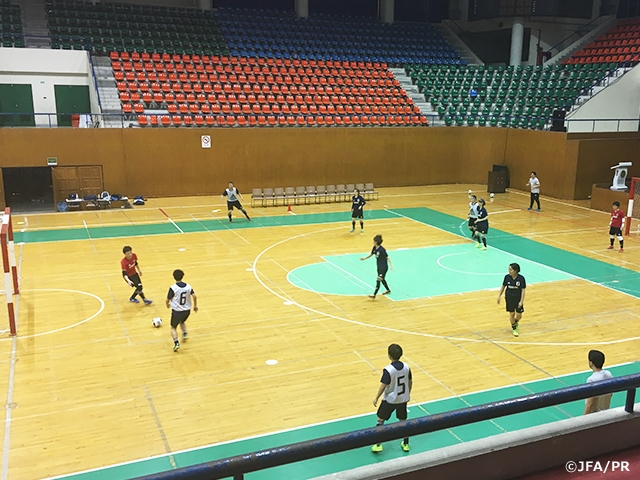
(278, 194)
(310, 193)
(268, 196)
(321, 194)
(331, 193)
(341, 192)
(300, 195)
(289, 195)
(370, 191)
(256, 194)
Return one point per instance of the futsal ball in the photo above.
(156, 322)
(491, 195)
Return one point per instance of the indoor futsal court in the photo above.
(287, 346)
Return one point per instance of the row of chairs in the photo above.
(311, 194)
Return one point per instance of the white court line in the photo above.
(89, 235)
(12, 374)
(175, 225)
(256, 273)
(462, 271)
(547, 199)
(102, 305)
(348, 273)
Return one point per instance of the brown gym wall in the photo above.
(171, 162)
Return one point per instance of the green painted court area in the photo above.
(467, 269)
(425, 272)
(363, 456)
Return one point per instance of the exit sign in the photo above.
(52, 161)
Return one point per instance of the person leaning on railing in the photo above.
(602, 402)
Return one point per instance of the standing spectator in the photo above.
(602, 402)
(534, 184)
(395, 388)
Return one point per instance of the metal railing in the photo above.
(580, 32)
(95, 81)
(118, 120)
(240, 465)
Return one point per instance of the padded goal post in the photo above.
(10, 267)
(633, 209)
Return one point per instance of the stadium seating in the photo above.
(10, 25)
(522, 97)
(262, 92)
(619, 44)
(281, 35)
(105, 27)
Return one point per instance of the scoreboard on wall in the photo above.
(485, 9)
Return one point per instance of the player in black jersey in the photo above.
(383, 261)
(357, 204)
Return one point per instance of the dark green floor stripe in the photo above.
(195, 226)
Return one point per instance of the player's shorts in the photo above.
(382, 274)
(135, 278)
(356, 213)
(472, 223)
(386, 409)
(512, 305)
(235, 203)
(179, 316)
(615, 231)
(482, 227)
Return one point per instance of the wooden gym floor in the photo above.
(90, 383)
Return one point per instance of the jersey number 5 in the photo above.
(402, 387)
(183, 298)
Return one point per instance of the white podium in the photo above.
(620, 176)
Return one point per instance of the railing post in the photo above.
(631, 399)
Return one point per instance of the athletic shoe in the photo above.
(404, 446)
(376, 448)
(352, 230)
(248, 218)
(515, 332)
(478, 245)
(483, 248)
(529, 208)
(230, 220)
(610, 247)
(387, 292)
(176, 346)
(372, 296)
(362, 231)
(621, 250)
(147, 301)
(134, 300)
(537, 209)
(185, 335)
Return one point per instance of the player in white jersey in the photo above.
(473, 213)
(232, 195)
(395, 389)
(179, 300)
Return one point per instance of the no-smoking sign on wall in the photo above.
(206, 141)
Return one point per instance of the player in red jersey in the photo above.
(131, 273)
(615, 226)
